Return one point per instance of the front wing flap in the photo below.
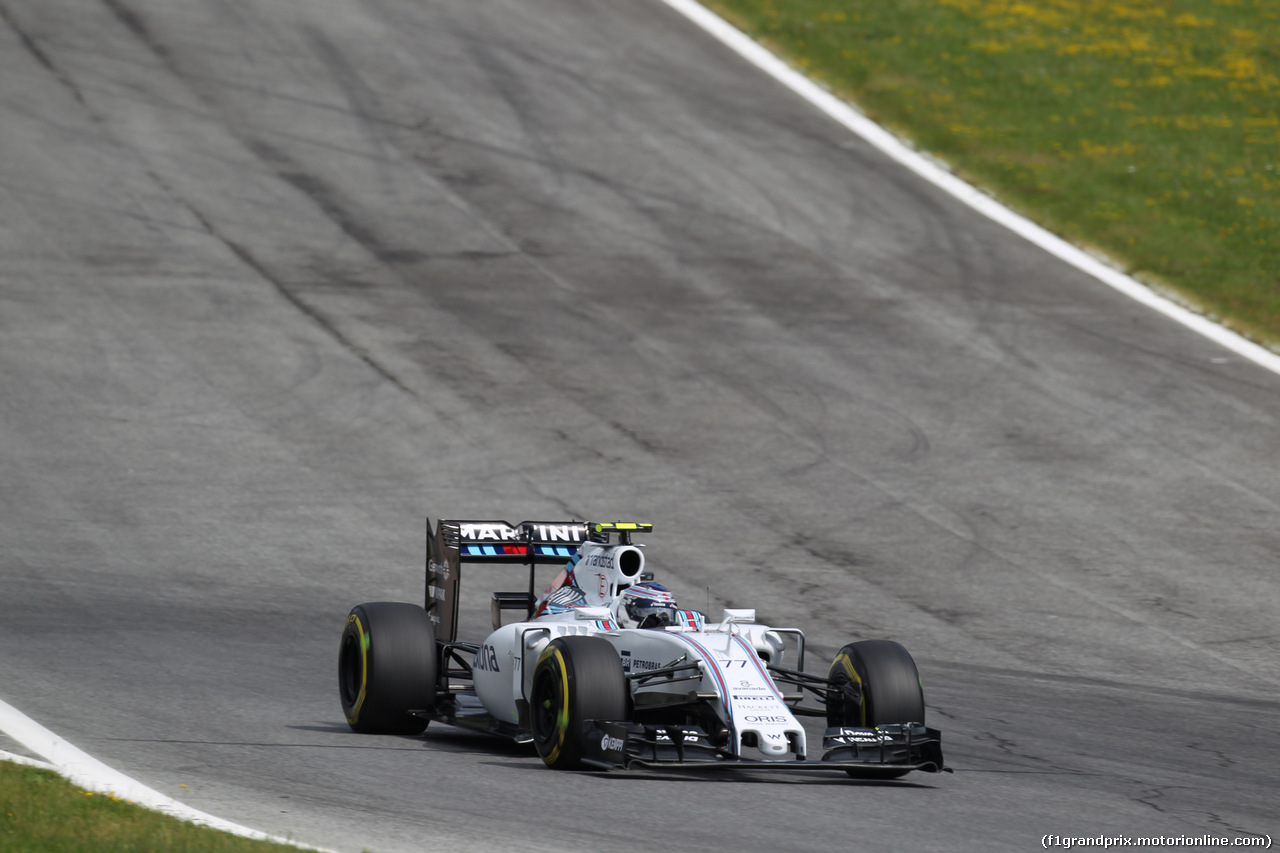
(890, 747)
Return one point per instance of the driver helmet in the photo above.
(650, 605)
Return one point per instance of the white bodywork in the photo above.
(733, 677)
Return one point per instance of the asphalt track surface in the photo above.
(279, 278)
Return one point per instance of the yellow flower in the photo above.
(1241, 67)
(1189, 20)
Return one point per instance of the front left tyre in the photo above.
(387, 666)
(874, 683)
(578, 678)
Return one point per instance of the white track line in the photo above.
(880, 138)
(92, 775)
(22, 759)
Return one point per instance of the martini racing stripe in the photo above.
(517, 551)
(690, 619)
(649, 593)
(494, 550)
(755, 661)
(571, 567)
(714, 666)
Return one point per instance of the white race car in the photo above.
(604, 670)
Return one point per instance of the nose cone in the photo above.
(773, 747)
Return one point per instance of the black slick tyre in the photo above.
(875, 682)
(577, 678)
(387, 665)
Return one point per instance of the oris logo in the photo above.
(609, 743)
(752, 718)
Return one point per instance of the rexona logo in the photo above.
(609, 743)
(487, 659)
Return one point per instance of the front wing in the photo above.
(883, 751)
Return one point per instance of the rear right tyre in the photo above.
(387, 665)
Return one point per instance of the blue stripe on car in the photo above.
(724, 687)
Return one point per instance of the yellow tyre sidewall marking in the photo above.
(844, 662)
(562, 721)
(354, 716)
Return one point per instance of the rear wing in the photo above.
(529, 543)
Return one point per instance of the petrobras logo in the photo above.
(630, 664)
(609, 743)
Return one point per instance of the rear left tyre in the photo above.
(387, 666)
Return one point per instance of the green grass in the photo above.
(40, 812)
(1147, 130)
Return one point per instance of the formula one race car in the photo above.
(605, 670)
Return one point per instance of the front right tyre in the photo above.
(578, 678)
